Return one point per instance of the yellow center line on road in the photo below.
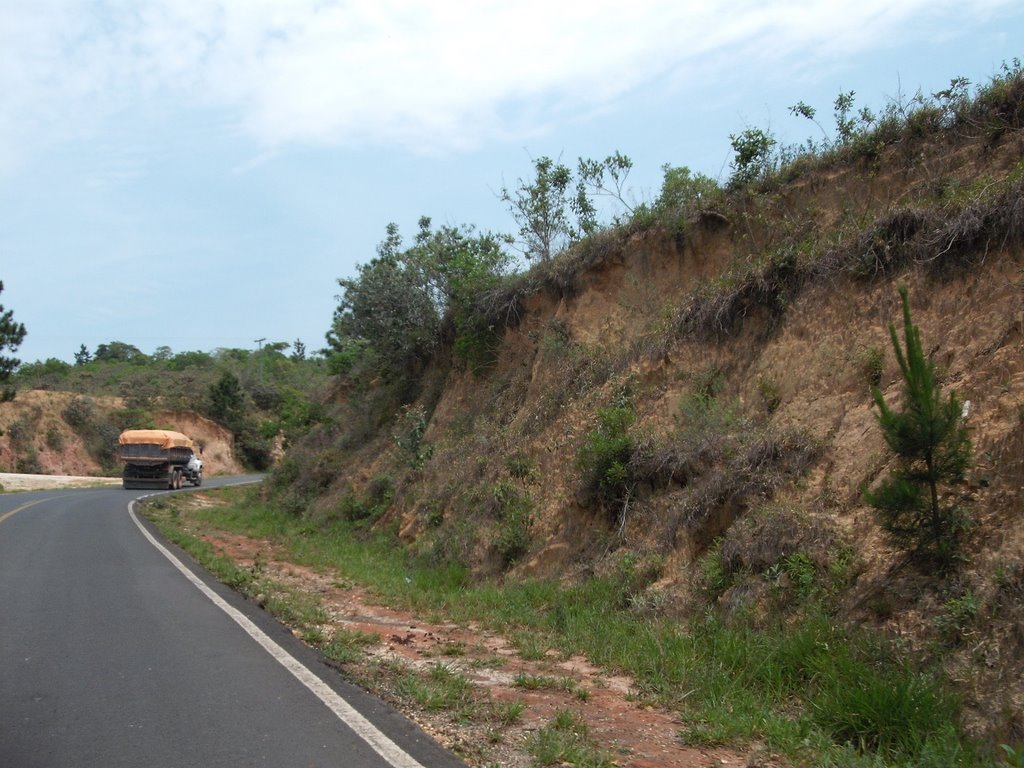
(23, 506)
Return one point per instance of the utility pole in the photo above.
(260, 362)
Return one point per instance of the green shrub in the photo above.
(606, 452)
(685, 192)
(370, 507)
(522, 467)
(476, 345)
(28, 462)
(20, 433)
(409, 436)
(771, 397)
(714, 577)
(54, 438)
(871, 364)
(958, 614)
(754, 157)
(79, 413)
(351, 507)
(801, 572)
(632, 578)
(255, 450)
(513, 537)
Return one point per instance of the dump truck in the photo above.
(158, 458)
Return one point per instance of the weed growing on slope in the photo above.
(605, 455)
(516, 511)
(957, 617)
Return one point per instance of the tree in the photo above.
(754, 158)
(848, 126)
(83, 356)
(298, 350)
(454, 264)
(391, 314)
(931, 442)
(542, 209)
(275, 347)
(11, 336)
(387, 312)
(457, 267)
(606, 178)
(681, 189)
(50, 374)
(227, 403)
(120, 352)
(184, 360)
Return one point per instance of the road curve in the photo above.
(111, 656)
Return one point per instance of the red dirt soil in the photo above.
(636, 735)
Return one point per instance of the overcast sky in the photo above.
(197, 173)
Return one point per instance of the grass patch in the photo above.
(348, 646)
(441, 689)
(536, 682)
(815, 691)
(565, 740)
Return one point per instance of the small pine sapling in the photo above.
(931, 441)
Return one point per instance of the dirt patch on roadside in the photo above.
(634, 734)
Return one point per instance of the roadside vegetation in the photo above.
(805, 686)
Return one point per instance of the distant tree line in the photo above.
(260, 396)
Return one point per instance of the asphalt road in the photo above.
(112, 655)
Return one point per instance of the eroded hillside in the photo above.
(60, 433)
(726, 363)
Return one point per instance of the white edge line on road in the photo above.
(344, 711)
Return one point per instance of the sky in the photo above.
(197, 174)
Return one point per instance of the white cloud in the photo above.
(436, 76)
